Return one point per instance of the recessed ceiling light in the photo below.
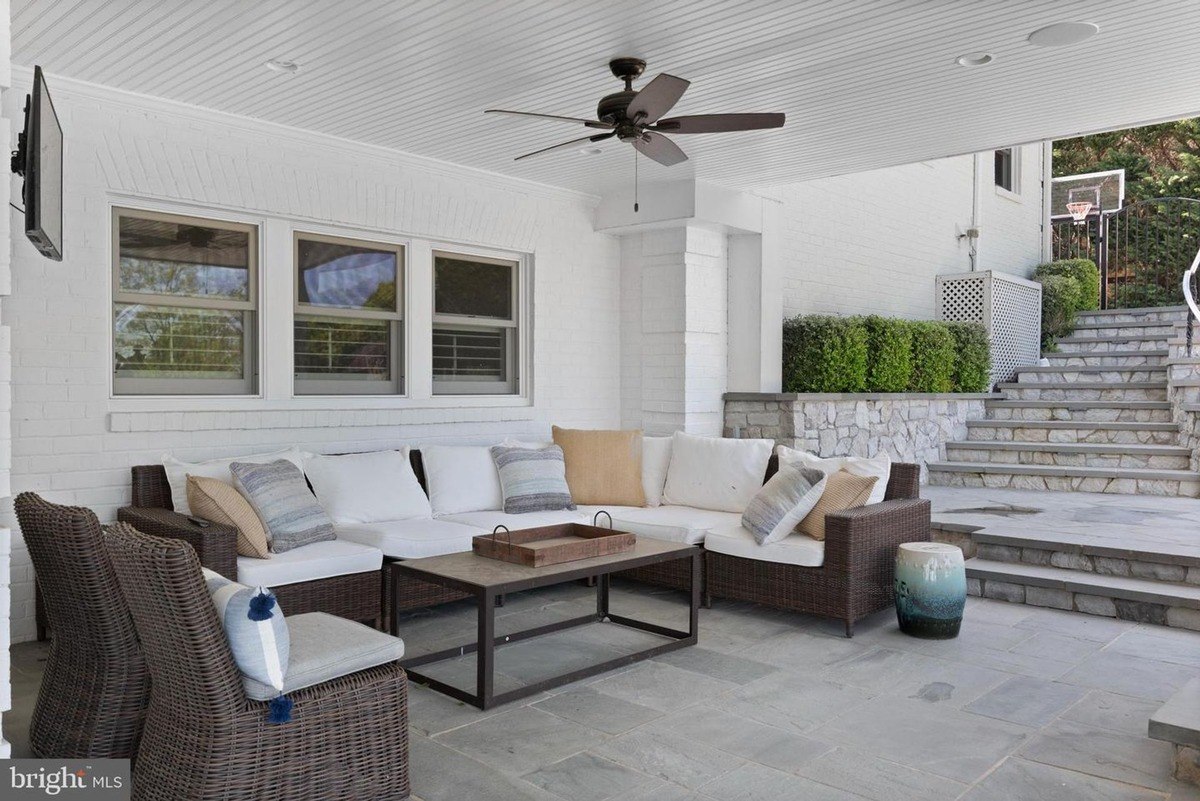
(974, 59)
(1061, 34)
(280, 65)
(590, 151)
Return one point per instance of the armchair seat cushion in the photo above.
(489, 520)
(684, 524)
(324, 647)
(319, 560)
(794, 549)
(412, 538)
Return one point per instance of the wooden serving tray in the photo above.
(552, 545)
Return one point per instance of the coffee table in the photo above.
(486, 579)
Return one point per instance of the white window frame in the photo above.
(1014, 168)
(129, 386)
(515, 327)
(353, 386)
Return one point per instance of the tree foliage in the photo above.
(1159, 160)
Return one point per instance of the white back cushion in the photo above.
(879, 466)
(461, 478)
(715, 473)
(178, 471)
(368, 487)
(656, 459)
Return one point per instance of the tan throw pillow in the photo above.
(843, 491)
(603, 467)
(221, 503)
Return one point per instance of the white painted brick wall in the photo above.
(6, 139)
(873, 242)
(75, 445)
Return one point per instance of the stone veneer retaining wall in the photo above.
(1183, 390)
(910, 427)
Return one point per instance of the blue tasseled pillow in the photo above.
(258, 635)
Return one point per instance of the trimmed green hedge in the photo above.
(881, 354)
(1068, 286)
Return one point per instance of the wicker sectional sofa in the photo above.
(846, 578)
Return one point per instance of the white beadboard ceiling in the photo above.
(865, 84)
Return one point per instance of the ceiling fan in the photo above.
(636, 116)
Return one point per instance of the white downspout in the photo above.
(977, 166)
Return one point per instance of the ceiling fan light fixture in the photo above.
(283, 66)
(1063, 34)
(977, 59)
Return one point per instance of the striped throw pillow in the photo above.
(532, 480)
(255, 627)
(278, 492)
(783, 502)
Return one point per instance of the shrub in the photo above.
(932, 357)
(889, 354)
(1060, 301)
(1083, 271)
(1136, 296)
(972, 357)
(824, 354)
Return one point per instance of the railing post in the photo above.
(1102, 259)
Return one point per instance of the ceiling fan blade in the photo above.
(564, 145)
(656, 98)
(659, 148)
(719, 123)
(580, 120)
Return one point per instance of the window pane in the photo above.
(342, 276)
(479, 289)
(1004, 168)
(480, 355)
(157, 257)
(336, 347)
(167, 342)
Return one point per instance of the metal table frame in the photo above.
(486, 641)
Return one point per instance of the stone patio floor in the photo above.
(1027, 703)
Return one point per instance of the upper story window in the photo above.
(348, 332)
(184, 305)
(475, 330)
(1006, 170)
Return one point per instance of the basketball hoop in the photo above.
(1079, 210)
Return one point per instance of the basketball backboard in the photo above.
(1104, 190)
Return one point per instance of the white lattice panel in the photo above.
(1009, 307)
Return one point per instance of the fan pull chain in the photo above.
(635, 182)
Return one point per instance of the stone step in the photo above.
(1126, 598)
(1120, 329)
(1080, 552)
(1178, 722)
(1087, 391)
(1088, 411)
(1084, 374)
(1119, 480)
(1074, 344)
(1173, 313)
(1154, 457)
(1072, 431)
(1114, 358)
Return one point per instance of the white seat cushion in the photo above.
(794, 549)
(317, 560)
(673, 523)
(410, 539)
(489, 520)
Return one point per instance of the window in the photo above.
(475, 316)
(1006, 169)
(347, 334)
(184, 303)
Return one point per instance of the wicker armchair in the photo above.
(204, 739)
(860, 552)
(94, 692)
(355, 596)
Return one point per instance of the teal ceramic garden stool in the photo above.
(931, 589)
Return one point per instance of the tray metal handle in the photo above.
(496, 534)
(596, 519)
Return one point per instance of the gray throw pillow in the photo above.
(783, 502)
(532, 480)
(281, 497)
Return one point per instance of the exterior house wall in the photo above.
(75, 444)
(7, 138)
(873, 242)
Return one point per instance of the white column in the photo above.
(5, 388)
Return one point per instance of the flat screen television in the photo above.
(39, 158)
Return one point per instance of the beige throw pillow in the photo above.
(603, 467)
(221, 503)
(843, 491)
